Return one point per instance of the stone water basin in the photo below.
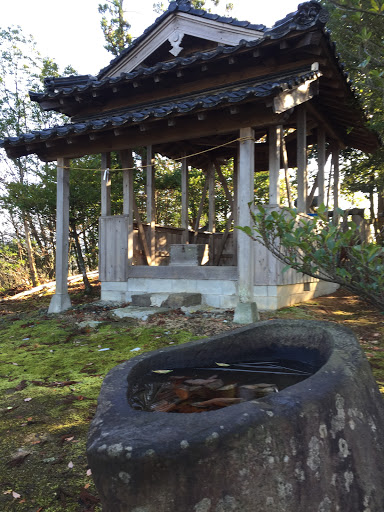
(314, 446)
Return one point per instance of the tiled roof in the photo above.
(185, 7)
(260, 88)
(309, 14)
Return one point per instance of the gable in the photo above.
(180, 34)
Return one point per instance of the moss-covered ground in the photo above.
(51, 371)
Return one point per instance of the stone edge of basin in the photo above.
(337, 345)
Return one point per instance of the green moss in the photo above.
(60, 369)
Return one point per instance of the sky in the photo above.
(69, 31)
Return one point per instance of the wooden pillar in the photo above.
(126, 160)
(61, 301)
(301, 159)
(235, 208)
(246, 311)
(151, 206)
(211, 196)
(336, 183)
(105, 185)
(184, 200)
(274, 140)
(321, 158)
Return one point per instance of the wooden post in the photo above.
(246, 311)
(234, 203)
(336, 183)
(151, 205)
(200, 210)
(126, 160)
(301, 159)
(321, 158)
(61, 301)
(274, 140)
(211, 196)
(105, 185)
(286, 167)
(184, 200)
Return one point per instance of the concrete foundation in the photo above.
(218, 293)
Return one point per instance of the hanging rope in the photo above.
(108, 170)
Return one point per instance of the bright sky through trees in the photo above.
(69, 32)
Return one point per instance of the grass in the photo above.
(51, 371)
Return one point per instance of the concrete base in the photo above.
(246, 313)
(217, 292)
(60, 302)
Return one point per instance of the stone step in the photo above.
(166, 300)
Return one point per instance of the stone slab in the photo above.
(167, 300)
(139, 313)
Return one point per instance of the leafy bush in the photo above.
(322, 249)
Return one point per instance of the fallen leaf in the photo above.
(16, 495)
(223, 364)
(70, 465)
(86, 486)
(27, 399)
(69, 438)
(89, 472)
(162, 371)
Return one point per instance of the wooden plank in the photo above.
(113, 240)
(105, 184)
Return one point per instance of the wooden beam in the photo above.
(286, 167)
(105, 184)
(200, 210)
(336, 183)
(184, 200)
(223, 241)
(126, 160)
(245, 245)
(151, 205)
(61, 301)
(274, 140)
(294, 97)
(321, 159)
(324, 122)
(211, 198)
(142, 236)
(187, 128)
(301, 159)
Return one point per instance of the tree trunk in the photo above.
(80, 259)
(31, 256)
